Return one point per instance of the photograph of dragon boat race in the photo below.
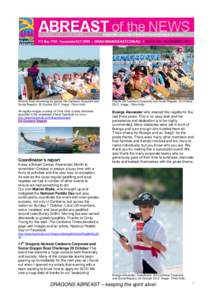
(153, 73)
(58, 73)
(74, 140)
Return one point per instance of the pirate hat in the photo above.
(145, 198)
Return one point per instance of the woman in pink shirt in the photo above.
(118, 87)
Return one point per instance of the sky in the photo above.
(35, 133)
(32, 132)
(59, 52)
(59, 131)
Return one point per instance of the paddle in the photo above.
(119, 234)
(174, 85)
(136, 94)
(72, 92)
(162, 90)
(155, 96)
(187, 81)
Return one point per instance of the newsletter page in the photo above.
(104, 155)
(61, 138)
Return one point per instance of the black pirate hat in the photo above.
(146, 198)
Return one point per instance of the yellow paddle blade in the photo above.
(81, 95)
(135, 94)
(88, 87)
(162, 90)
(67, 96)
(174, 85)
(187, 81)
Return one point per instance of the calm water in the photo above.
(168, 212)
(51, 71)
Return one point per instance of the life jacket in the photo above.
(139, 229)
(139, 244)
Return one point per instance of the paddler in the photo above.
(122, 73)
(157, 77)
(148, 79)
(33, 72)
(179, 54)
(179, 69)
(148, 239)
(48, 86)
(95, 79)
(118, 87)
(93, 69)
(137, 84)
(132, 68)
(164, 73)
(172, 73)
(57, 84)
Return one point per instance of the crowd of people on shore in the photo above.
(49, 85)
(147, 79)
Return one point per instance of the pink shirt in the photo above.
(118, 91)
(149, 79)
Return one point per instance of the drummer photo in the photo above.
(153, 73)
(65, 73)
(147, 220)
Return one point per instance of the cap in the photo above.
(155, 66)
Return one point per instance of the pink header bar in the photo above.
(117, 41)
(113, 31)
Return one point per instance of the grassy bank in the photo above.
(57, 63)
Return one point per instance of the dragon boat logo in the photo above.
(26, 31)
